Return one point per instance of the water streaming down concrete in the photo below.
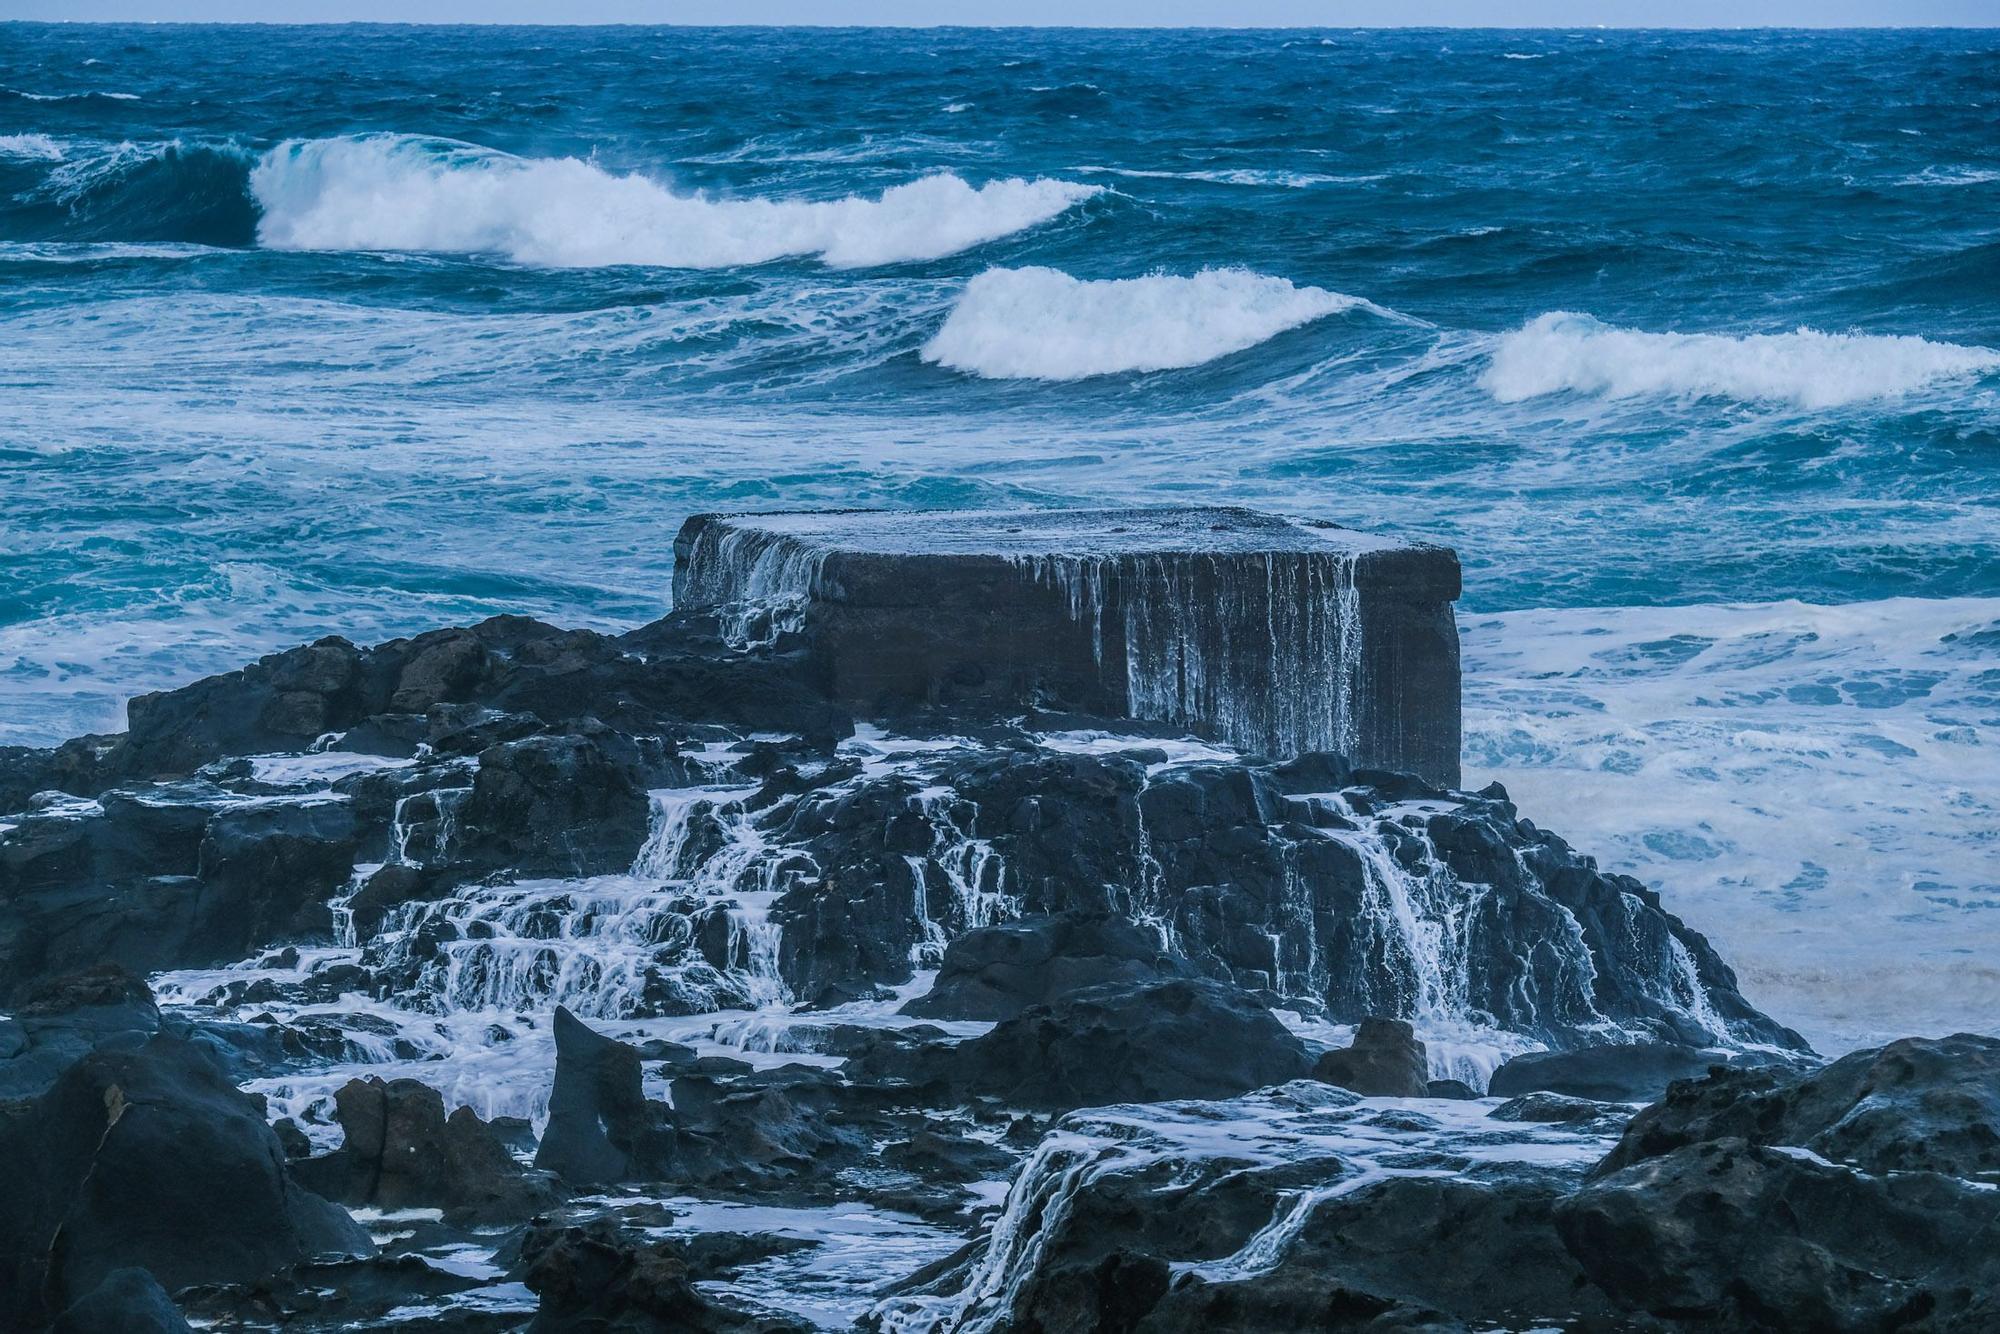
(1277, 636)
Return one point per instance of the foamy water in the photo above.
(1704, 393)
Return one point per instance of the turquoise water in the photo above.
(1689, 343)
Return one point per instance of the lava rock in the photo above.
(1387, 1060)
(996, 972)
(760, 1131)
(1549, 1109)
(601, 1128)
(401, 1151)
(149, 1158)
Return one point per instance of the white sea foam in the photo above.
(1564, 352)
(1290, 180)
(1811, 786)
(31, 147)
(397, 192)
(1042, 324)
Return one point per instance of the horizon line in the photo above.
(1012, 27)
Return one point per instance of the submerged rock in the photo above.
(1624, 1072)
(594, 1280)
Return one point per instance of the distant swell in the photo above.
(1042, 324)
(1563, 352)
(396, 192)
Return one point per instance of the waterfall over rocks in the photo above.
(902, 835)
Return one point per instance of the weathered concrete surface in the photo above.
(1274, 635)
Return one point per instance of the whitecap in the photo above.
(31, 147)
(397, 192)
(1042, 324)
(1564, 352)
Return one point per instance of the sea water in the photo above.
(1688, 343)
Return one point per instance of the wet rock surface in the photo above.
(512, 977)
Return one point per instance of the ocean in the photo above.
(1689, 343)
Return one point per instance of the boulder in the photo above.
(1387, 1060)
(995, 972)
(601, 1128)
(593, 1279)
(401, 1151)
(757, 1132)
(128, 1301)
(148, 1157)
(62, 1019)
(573, 804)
(1727, 1234)
(1915, 1105)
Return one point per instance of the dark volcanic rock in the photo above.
(1916, 1105)
(1856, 1197)
(401, 1151)
(601, 1128)
(1473, 1252)
(561, 805)
(996, 972)
(128, 1301)
(593, 1280)
(148, 1158)
(1725, 1234)
(63, 1019)
(1618, 1073)
(1386, 1061)
(760, 1132)
(1145, 1042)
(267, 871)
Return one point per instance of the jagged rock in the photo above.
(760, 1131)
(593, 1280)
(128, 1301)
(1180, 1038)
(1472, 1252)
(148, 1158)
(944, 1157)
(266, 873)
(1915, 1105)
(62, 1019)
(1618, 1073)
(1856, 1197)
(338, 1295)
(601, 1128)
(996, 972)
(401, 1151)
(1386, 1061)
(560, 805)
(1728, 1234)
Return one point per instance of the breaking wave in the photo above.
(398, 192)
(1564, 352)
(1042, 324)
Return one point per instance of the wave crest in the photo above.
(1564, 352)
(1042, 324)
(397, 192)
